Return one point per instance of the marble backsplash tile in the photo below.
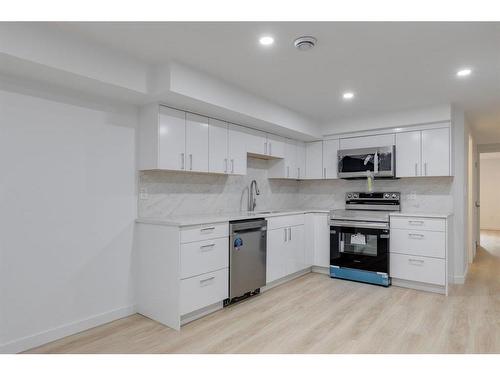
(178, 193)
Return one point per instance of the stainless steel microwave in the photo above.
(354, 163)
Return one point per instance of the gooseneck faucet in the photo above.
(252, 198)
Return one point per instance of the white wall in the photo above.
(490, 185)
(68, 204)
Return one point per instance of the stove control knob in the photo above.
(356, 196)
(394, 196)
(349, 196)
(387, 195)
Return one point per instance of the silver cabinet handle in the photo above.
(265, 148)
(208, 228)
(290, 233)
(209, 246)
(232, 165)
(298, 172)
(324, 172)
(284, 231)
(419, 261)
(288, 171)
(225, 170)
(190, 162)
(270, 148)
(182, 160)
(415, 235)
(415, 222)
(205, 281)
(425, 168)
(416, 166)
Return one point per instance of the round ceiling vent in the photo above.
(305, 43)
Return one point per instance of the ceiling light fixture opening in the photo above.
(348, 95)
(464, 72)
(266, 40)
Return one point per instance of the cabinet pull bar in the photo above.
(232, 165)
(208, 228)
(190, 162)
(182, 160)
(206, 280)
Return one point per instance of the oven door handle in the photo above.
(359, 224)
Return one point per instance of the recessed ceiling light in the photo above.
(348, 95)
(464, 72)
(266, 40)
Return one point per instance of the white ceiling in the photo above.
(390, 66)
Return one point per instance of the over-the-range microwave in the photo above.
(354, 163)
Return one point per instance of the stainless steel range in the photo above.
(359, 237)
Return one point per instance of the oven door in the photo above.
(363, 246)
(355, 163)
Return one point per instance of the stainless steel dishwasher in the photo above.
(247, 258)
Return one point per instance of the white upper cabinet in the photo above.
(367, 141)
(301, 160)
(237, 151)
(314, 160)
(291, 168)
(276, 146)
(330, 149)
(436, 152)
(196, 143)
(218, 161)
(172, 140)
(256, 141)
(408, 154)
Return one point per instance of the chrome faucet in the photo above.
(252, 198)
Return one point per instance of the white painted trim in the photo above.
(285, 279)
(321, 269)
(197, 314)
(65, 330)
(419, 286)
(460, 279)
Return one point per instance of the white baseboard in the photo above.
(45, 337)
(419, 286)
(320, 269)
(460, 279)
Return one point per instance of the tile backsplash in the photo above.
(178, 193)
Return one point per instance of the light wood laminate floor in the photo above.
(316, 314)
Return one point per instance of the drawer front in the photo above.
(417, 242)
(204, 256)
(415, 268)
(418, 223)
(203, 290)
(284, 221)
(204, 232)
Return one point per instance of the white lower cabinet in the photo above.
(181, 270)
(317, 239)
(286, 250)
(418, 252)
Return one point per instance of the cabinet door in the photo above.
(301, 160)
(276, 146)
(321, 240)
(367, 141)
(436, 152)
(196, 143)
(256, 141)
(172, 139)
(237, 150)
(296, 249)
(314, 160)
(217, 146)
(276, 255)
(330, 149)
(291, 170)
(408, 151)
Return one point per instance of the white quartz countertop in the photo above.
(423, 214)
(198, 219)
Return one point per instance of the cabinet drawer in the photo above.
(284, 221)
(203, 290)
(418, 223)
(204, 256)
(204, 232)
(417, 242)
(415, 268)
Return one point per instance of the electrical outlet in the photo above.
(143, 194)
(412, 196)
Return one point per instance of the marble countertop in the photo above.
(198, 219)
(423, 214)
